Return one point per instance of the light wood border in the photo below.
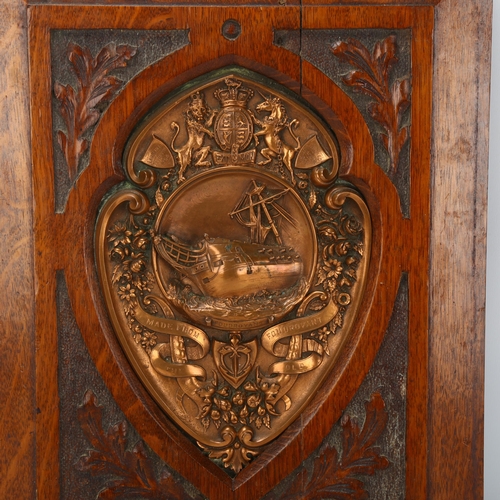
(462, 47)
(17, 345)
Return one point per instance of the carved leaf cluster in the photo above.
(336, 476)
(79, 108)
(253, 405)
(234, 457)
(372, 78)
(132, 472)
(341, 251)
(128, 245)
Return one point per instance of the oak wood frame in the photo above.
(455, 360)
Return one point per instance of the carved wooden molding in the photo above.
(379, 86)
(80, 107)
(336, 474)
(372, 77)
(131, 469)
(151, 87)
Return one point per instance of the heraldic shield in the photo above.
(233, 260)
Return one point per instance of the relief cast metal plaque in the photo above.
(233, 260)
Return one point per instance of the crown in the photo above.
(197, 98)
(234, 95)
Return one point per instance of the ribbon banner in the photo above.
(295, 328)
(165, 328)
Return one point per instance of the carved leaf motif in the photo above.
(372, 78)
(312, 198)
(95, 85)
(335, 477)
(132, 470)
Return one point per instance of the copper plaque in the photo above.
(232, 260)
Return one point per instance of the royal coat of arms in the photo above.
(233, 260)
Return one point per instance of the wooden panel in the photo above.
(421, 78)
(458, 249)
(155, 81)
(17, 390)
(306, 434)
(445, 384)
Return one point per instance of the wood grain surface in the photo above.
(66, 240)
(458, 249)
(442, 245)
(17, 346)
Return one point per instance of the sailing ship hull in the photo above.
(228, 268)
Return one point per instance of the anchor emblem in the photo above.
(235, 360)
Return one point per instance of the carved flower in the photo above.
(126, 293)
(253, 400)
(215, 414)
(140, 239)
(225, 405)
(322, 334)
(238, 399)
(119, 234)
(224, 391)
(342, 248)
(352, 225)
(328, 232)
(136, 262)
(333, 268)
(148, 340)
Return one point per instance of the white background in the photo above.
(492, 403)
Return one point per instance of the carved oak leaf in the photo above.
(337, 478)
(132, 472)
(372, 78)
(95, 85)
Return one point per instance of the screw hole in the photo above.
(231, 29)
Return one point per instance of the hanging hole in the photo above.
(231, 29)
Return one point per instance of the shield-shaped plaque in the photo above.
(235, 359)
(232, 260)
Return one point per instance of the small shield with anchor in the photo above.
(235, 360)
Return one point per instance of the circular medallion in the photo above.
(235, 248)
